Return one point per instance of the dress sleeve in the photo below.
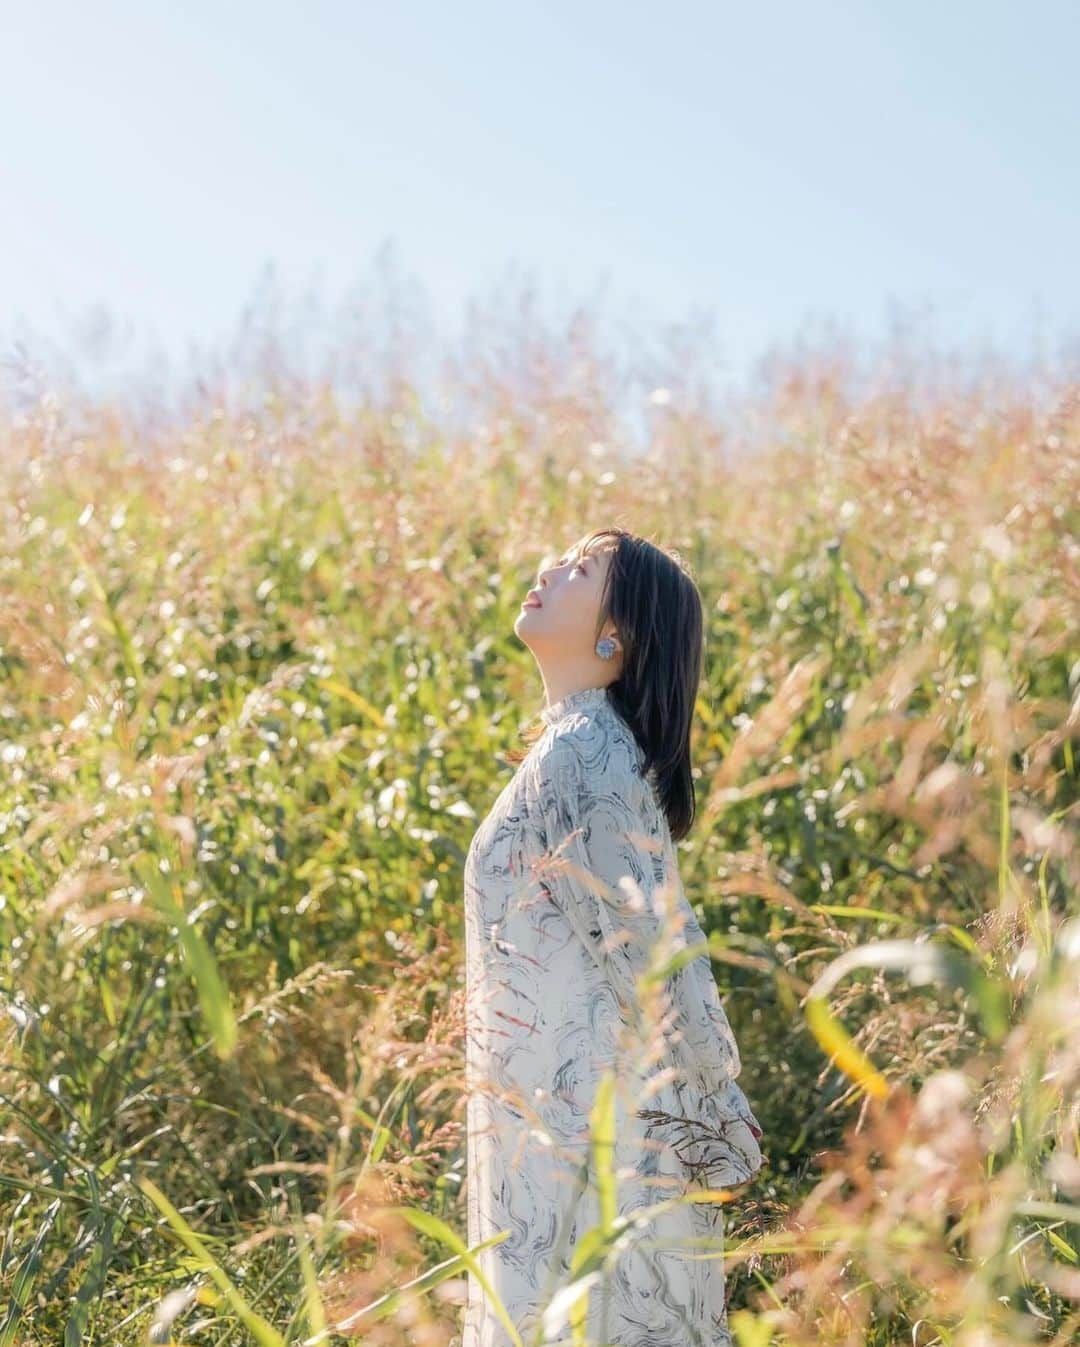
(609, 868)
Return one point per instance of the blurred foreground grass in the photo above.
(254, 689)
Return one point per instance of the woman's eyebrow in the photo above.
(580, 556)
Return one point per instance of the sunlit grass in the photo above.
(255, 688)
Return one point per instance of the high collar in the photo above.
(573, 701)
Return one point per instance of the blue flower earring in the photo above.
(605, 647)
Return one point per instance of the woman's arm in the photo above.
(608, 869)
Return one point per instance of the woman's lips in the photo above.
(531, 601)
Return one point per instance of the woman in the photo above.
(572, 894)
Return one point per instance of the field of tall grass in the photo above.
(257, 681)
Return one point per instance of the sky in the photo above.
(774, 164)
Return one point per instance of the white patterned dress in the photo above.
(571, 889)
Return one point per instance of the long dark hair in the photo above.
(652, 601)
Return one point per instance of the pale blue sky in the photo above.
(769, 162)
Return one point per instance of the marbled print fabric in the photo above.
(571, 890)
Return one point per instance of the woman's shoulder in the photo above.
(596, 747)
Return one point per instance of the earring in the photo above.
(605, 647)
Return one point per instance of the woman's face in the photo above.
(569, 591)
